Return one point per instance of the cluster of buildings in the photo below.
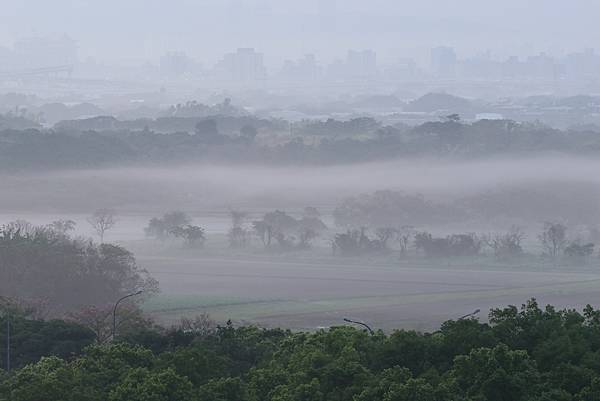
(583, 65)
(246, 64)
(33, 53)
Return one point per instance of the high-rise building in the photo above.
(583, 65)
(481, 66)
(304, 69)
(541, 66)
(443, 62)
(361, 64)
(243, 65)
(402, 69)
(175, 64)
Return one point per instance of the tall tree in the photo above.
(553, 238)
(101, 221)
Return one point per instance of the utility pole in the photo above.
(8, 342)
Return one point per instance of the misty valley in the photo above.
(407, 242)
(318, 200)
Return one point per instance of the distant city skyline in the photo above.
(247, 64)
(61, 49)
(142, 30)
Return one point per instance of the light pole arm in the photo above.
(114, 328)
(360, 323)
(470, 314)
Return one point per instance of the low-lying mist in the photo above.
(472, 195)
(201, 187)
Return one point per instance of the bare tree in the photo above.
(22, 226)
(505, 245)
(101, 221)
(202, 325)
(405, 233)
(238, 234)
(95, 318)
(553, 238)
(264, 231)
(384, 234)
(62, 226)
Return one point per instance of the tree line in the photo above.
(553, 241)
(280, 231)
(105, 141)
(526, 354)
(275, 230)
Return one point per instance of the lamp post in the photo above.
(476, 311)
(8, 342)
(360, 323)
(114, 328)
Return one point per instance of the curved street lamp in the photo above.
(114, 328)
(476, 311)
(360, 323)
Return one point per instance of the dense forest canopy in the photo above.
(106, 141)
(531, 354)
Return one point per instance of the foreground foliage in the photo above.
(528, 354)
(47, 265)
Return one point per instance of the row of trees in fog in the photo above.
(275, 228)
(408, 239)
(176, 224)
(280, 231)
(380, 220)
(104, 141)
(553, 241)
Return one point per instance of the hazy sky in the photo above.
(144, 29)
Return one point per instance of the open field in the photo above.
(302, 294)
(309, 289)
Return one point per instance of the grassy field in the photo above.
(310, 290)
